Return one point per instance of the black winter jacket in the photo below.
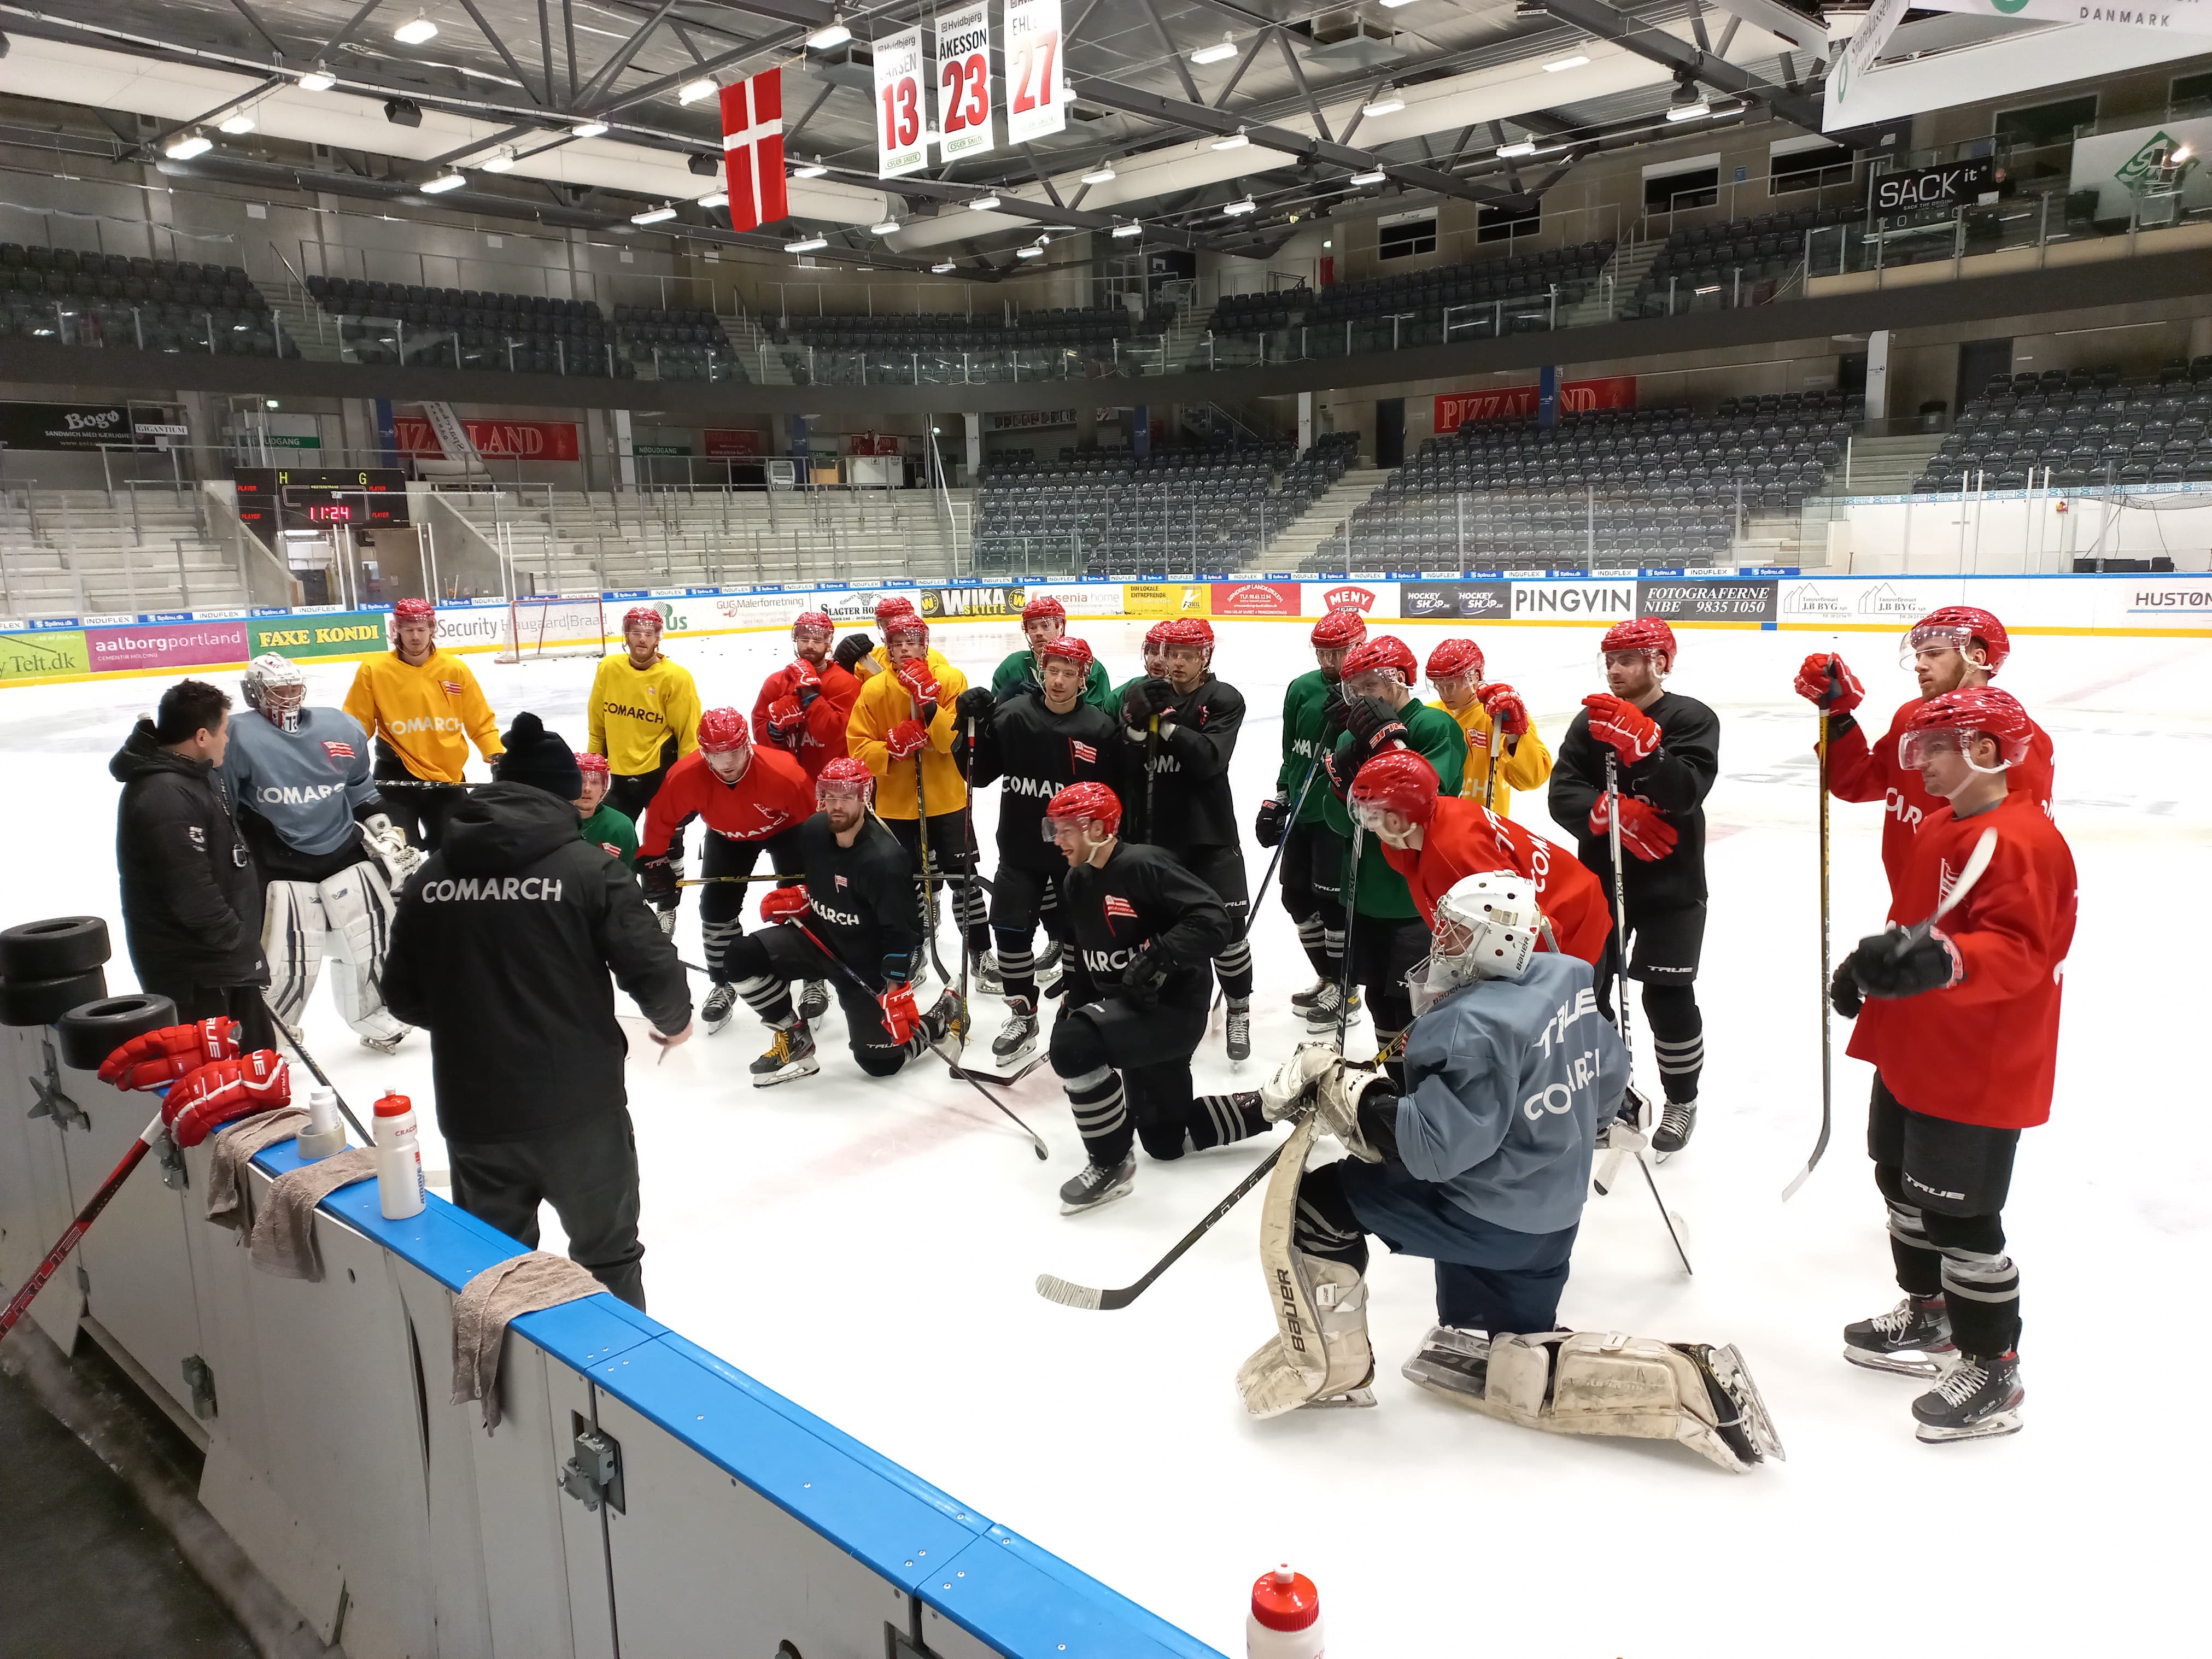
(192, 898)
(500, 948)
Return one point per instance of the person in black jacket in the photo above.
(192, 898)
(1137, 993)
(1666, 748)
(501, 949)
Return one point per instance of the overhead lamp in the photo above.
(1375, 177)
(1237, 208)
(1220, 51)
(238, 124)
(883, 228)
(984, 204)
(692, 91)
(415, 31)
(812, 170)
(442, 183)
(941, 267)
(402, 112)
(1129, 230)
(1236, 140)
(1575, 60)
(502, 162)
(1688, 100)
(1102, 174)
(1513, 151)
(660, 215)
(318, 79)
(1032, 251)
(807, 245)
(186, 145)
(829, 36)
(587, 130)
(1388, 104)
(714, 199)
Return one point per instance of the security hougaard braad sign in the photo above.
(1709, 598)
(1950, 185)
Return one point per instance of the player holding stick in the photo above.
(1503, 752)
(1044, 619)
(644, 717)
(804, 706)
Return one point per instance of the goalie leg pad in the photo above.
(1320, 1353)
(292, 929)
(357, 908)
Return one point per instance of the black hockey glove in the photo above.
(851, 649)
(1898, 964)
(1147, 972)
(1268, 828)
(1333, 712)
(975, 703)
(1365, 716)
(1844, 994)
(658, 877)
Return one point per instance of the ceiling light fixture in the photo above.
(318, 79)
(1687, 102)
(714, 199)
(1247, 205)
(813, 169)
(1374, 178)
(1522, 147)
(1393, 5)
(186, 145)
(502, 162)
(1689, 112)
(587, 130)
(941, 267)
(1031, 253)
(1574, 61)
(1219, 53)
(692, 91)
(442, 183)
(1102, 174)
(239, 123)
(1129, 230)
(807, 245)
(984, 203)
(415, 31)
(886, 228)
(830, 36)
(1388, 104)
(1236, 140)
(660, 215)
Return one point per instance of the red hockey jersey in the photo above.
(775, 795)
(1465, 839)
(1858, 773)
(826, 716)
(1984, 1050)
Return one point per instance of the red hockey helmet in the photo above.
(1952, 719)
(1156, 638)
(845, 776)
(1084, 803)
(891, 605)
(643, 613)
(1043, 605)
(1070, 648)
(414, 610)
(1188, 630)
(905, 625)
(1384, 653)
(587, 762)
(1339, 630)
(1397, 780)
(721, 730)
(1456, 657)
(1644, 633)
(1960, 627)
(813, 622)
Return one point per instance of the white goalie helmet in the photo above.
(1486, 927)
(275, 686)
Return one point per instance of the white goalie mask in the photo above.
(1486, 927)
(275, 687)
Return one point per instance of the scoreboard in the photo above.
(272, 499)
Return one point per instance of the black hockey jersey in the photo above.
(1189, 789)
(863, 897)
(1676, 777)
(1143, 893)
(1033, 754)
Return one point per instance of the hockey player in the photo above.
(1436, 841)
(750, 798)
(1503, 752)
(857, 901)
(1961, 1022)
(1182, 728)
(1034, 743)
(803, 708)
(1953, 648)
(890, 607)
(903, 729)
(599, 823)
(332, 858)
(1312, 866)
(1666, 750)
(644, 717)
(1144, 927)
(1384, 936)
(1044, 619)
(1480, 1161)
(1154, 653)
(423, 708)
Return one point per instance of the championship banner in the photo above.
(752, 151)
(963, 82)
(1518, 403)
(902, 135)
(1036, 105)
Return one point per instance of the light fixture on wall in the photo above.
(807, 245)
(1219, 53)
(658, 215)
(442, 183)
(415, 31)
(185, 145)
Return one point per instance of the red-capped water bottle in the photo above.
(1286, 1619)
(398, 1158)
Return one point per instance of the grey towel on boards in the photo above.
(232, 1148)
(284, 1231)
(503, 1291)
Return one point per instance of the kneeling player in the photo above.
(320, 838)
(1136, 1006)
(1481, 1162)
(852, 922)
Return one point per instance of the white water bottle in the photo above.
(1286, 1618)
(398, 1158)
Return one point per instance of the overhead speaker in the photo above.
(403, 113)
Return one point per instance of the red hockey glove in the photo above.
(806, 683)
(1825, 682)
(921, 684)
(155, 1058)
(1633, 733)
(787, 721)
(901, 1017)
(224, 1090)
(907, 738)
(784, 904)
(1504, 706)
(1643, 832)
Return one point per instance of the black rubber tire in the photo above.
(43, 1001)
(54, 949)
(95, 1029)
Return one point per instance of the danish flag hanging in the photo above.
(752, 146)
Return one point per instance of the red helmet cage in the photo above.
(1087, 800)
(819, 621)
(1398, 781)
(1456, 657)
(1384, 651)
(905, 625)
(587, 762)
(849, 773)
(645, 613)
(414, 610)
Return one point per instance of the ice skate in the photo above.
(1976, 1399)
(1678, 1122)
(814, 1001)
(1240, 1028)
(1302, 1002)
(988, 979)
(1048, 969)
(1018, 1038)
(1097, 1185)
(1321, 1016)
(791, 1055)
(1913, 1338)
(716, 1010)
(387, 1044)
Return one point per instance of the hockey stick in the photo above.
(967, 855)
(1069, 1295)
(1152, 773)
(45, 1270)
(1252, 911)
(1605, 1179)
(308, 1060)
(1827, 1055)
(1351, 921)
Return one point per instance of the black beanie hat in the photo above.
(539, 758)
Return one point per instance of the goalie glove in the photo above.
(156, 1059)
(223, 1091)
(387, 843)
(1339, 1094)
(1292, 1084)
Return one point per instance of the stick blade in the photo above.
(1799, 1180)
(1069, 1295)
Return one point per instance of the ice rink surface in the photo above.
(868, 1246)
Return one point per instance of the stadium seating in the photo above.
(1522, 293)
(2089, 426)
(156, 304)
(937, 347)
(1711, 267)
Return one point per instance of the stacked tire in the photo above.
(53, 972)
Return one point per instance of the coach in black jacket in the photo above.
(192, 898)
(500, 949)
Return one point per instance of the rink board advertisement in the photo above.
(1476, 601)
(159, 646)
(319, 633)
(1255, 598)
(1155, 600)
(44, 655)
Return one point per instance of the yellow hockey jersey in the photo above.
(883, 704)
(1526, 768)
(634, 713)
(428, 714)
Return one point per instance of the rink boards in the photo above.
(400, 1529)
(51, 650)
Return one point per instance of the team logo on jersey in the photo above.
(1084, 752)
(198, 835)
(841, 881)
(337, 750)
(1946, 879)
(453, 687)
(1118, 906)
